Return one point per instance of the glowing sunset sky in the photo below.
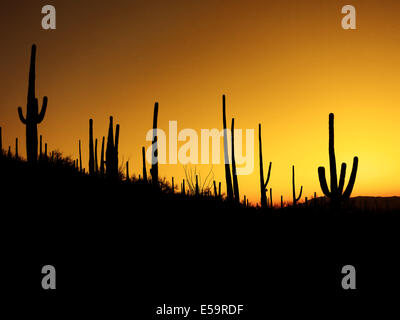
(284, 64)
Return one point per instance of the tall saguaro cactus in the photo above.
(33, 116)
(295, 200)
(112, 150)
(263, 185)
(234, 174)
(154, 154)
(336, 194)
(229, 189)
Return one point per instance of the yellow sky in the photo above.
(284, 64)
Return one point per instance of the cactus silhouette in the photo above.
(215, 189)
(80, 156)
(295, 200)
(234, 174)
(263, 185)
(144, 164)
(96, 163)
(336, 194)
(102, 162)
(112, 150)
(127, 171)
(229, 189)
(154, 155)
(33, 116)
(91, 148)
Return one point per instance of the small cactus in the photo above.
(263, 185)
(295, 200)
(112, 151)
(102, 162)
(234, 173)
(144, 164)
(154, 165)
(229, 189)
(91, 148)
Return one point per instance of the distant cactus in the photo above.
(234, 173)
(336, 194)
(173, 185)
(270, 198)
(197, 185)
(96, 163)
(112, 151)
(127, 171)
(229, 189)
(80, 157)
(33, 116)
(215, 189)
(263, 185)
(154, 165)
(281, 202)
(102, 162)
(183, 187)
(144, 164)
(295, 200)
(91, 148)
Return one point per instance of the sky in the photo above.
(284, 64)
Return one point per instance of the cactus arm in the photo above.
(322, 182)
(42, 111)
(341, 180)
(268, 176)
(301, 191)
(352, 179)
(21, 116)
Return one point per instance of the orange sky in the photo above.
(285, 64)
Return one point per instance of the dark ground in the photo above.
(122, 249)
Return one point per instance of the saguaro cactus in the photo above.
(144, 164)
(263, 185)
(112, 150)
(96, 163)
(234, 174)
(336, 194)
(80, 156)
(295, 200)
(33, 116)
(102, 162)
(154, 162)
(229, 189)
(91, 148)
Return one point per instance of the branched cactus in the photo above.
(112, 151)
(33, 116)
(263, 185)
(229, 189)
(295, 200)
(234, 173)
(154, 154)
(336, 194)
